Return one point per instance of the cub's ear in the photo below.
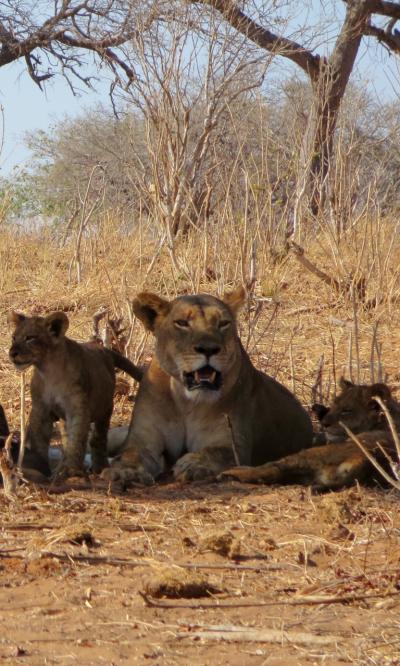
(381, 390)
(149, 308)
(345, 383)
(57, 323)
(15, 318)
(235, 299)
(319, 410)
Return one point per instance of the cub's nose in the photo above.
(13, 353)
(207, 350)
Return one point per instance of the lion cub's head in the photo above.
(196, 339)
(34, 338)
(356, 407)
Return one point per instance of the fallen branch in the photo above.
(298, 252)
(118, 562)
(236, 634)
(298, 601)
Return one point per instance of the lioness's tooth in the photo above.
(213, 376)
(196, 377)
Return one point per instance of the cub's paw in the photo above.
(193, 467)
(127, 476)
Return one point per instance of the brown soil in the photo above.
(284, 577)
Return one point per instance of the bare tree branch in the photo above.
(56, 44)
(267, 40)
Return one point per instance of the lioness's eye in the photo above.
(346, 412)
(30, 338)
(181, 323)
(224, 323)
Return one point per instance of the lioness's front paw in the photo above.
(192, 467)
(127, 476)
(64, 471)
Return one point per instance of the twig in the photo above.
(234, 447)
(316, 389)
(356, 331)
(390, 421)
(299, 601)
(21, 452)
(96, 319)
(370, 457)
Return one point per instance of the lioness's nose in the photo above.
(208, 350)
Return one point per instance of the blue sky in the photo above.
(26, 108)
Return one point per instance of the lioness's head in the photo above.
(34, 338)
(355, 407)
(196, 338)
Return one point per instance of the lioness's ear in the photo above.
(235, 299)
(57, 323)
(149, 307)
(345, 383)
(15, 318)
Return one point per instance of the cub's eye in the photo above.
(224, 323)
(346, 412)
(30, 338)
(181, 323)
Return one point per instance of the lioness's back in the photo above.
(282, 429)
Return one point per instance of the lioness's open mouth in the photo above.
(203, 378)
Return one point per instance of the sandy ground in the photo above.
(200, 574)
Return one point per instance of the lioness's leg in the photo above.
(38, 436)
(98, 445)
(204, 464)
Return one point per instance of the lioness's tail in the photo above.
(126, 365)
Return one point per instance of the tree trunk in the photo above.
(329, 87)
(328, 77)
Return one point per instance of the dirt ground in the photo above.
(200, 574)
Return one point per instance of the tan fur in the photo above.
(71, 381)
(202, 401)
(340, 462)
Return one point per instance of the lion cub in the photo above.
(340, 462)
(71, 381)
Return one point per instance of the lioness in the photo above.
(72, 381)
(201, 404)
(340, 462)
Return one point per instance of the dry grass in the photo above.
(296, 327)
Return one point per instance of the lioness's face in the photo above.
(355, 407)
(34, 338)
(196, 339)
